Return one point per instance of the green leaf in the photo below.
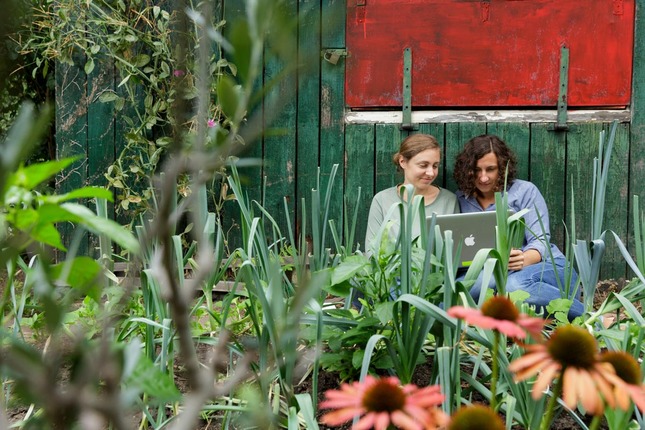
(108, 96)
(228, 96)
(357, 358)
(82, 193)
(151, 381)
(519, 296)
(89, 66)
(100, 225)
(384, 311)
(81, 274)
(52, 213)
(242, 48)
(48, 234)
(141, 60)
(559, 305)
(348, 269)
(34, 174)
(25, 219)
(340, 290)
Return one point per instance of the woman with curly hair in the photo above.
(539, 266)
(418, 158)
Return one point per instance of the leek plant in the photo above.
(588, 255)
(276, 304)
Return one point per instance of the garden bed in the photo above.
(327, 380)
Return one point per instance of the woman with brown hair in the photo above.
(418, 158)
(482, 168)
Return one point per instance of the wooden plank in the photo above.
(388, 138)
(457, 134)
(308, 120)
(280, 109)
(582, 147)
(616, 203)
(637, 130)
(359, 144)
(548, 172)
(516, 136)
(332, 104)
(251, 178)
(71, 133)
(100, 134)
(125, 120)
(483, 115)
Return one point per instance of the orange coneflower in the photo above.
(382, 402)
(476, 417)
(628, 381)
(500, 314)
(571, 354)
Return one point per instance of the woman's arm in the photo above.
(536, 238)
(374, 221)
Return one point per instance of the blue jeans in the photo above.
(540, 281)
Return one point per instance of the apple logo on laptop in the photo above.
(469, 241)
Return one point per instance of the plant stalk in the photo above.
(493, 382)
(595, 423)
(548, 416)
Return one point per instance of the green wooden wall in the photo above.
(316, 135)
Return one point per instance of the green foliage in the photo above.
(140, 38)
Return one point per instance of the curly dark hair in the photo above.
(476, 148)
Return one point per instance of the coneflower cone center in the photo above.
(573, 346)
(500, 308)
(475, 417)
(384, 396)
(625, 365)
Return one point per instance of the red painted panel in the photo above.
(470, 53)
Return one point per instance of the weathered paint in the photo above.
(505, 55)
(71, 134)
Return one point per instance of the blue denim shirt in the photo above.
(522, 195)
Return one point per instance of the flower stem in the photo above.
(548, 416)
(595, 423)
(493, 381)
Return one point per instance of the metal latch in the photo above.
(333, 55)
(406, 123)
(561, 121)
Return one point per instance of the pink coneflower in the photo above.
(383, 402)
(177, 73)
(477, 417)
(211, 123)
(571, 355)
(628, 381)
(499, 313)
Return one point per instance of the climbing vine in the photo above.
(139, 38)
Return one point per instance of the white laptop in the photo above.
(473, 230)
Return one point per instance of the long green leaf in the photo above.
(99, 225)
